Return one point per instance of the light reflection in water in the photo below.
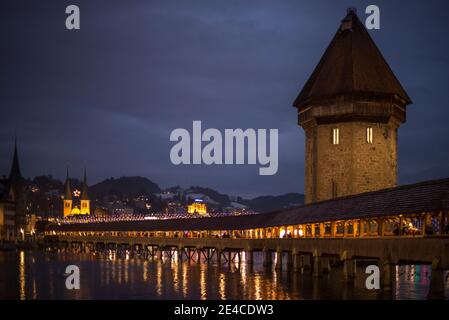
(22, 278)
(119, 271)
(34, 290)
(412, 280)
(159, 278)
(244, 275)
(203, 270)
(175, 271)
(185, 287)
(110, 276)
(222, 286)
(126, 269)
(108, 268)
(145, 270)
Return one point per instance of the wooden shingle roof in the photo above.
(429, 196)
(352, 67)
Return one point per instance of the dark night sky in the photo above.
(108, 96)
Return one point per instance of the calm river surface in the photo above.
(40, 275)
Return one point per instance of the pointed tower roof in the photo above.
(84, 195)
(352, 67)
(15, 175)
(68, 189)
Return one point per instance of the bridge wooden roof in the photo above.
(429, 196)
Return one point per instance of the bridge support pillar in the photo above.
(267, 258)
(325, 264)
(317, 264)
(153, 253)
(278, 265)
(250, 257)
(436, 290)
(348, 270)
(387, 269)
(348, 267)
(297, 262)
(306, 263)
(289, 260)
(208, 253)
(198, 255)
(160, 253)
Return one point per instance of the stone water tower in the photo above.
(350, 109)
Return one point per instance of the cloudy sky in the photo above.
(107, 96)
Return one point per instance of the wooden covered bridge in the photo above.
(402, 225)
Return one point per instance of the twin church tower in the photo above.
(76, 202)
(350, 109)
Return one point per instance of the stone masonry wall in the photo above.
(354, 165)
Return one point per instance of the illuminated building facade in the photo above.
(76, 202)
(197, 207)
(7, 218)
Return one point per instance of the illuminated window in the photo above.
(327, 228)
(369, 135)
(335, 136)
(350, 228)
(308, 230)
(317, 229)
(300, 231)
(340, 229)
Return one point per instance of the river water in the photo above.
(40, 275)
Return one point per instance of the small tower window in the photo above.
(334, 189)
(369, 135)
(335, 136)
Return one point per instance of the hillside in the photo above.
(271, 203)
(124, 186)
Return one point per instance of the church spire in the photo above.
(15, 174)
(84, 195)
(68, 190)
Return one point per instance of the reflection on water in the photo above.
(40, 275)
(412, 279)
(22, 275)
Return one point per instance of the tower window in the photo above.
(334, 189)
(335, 136)
(369, 135)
